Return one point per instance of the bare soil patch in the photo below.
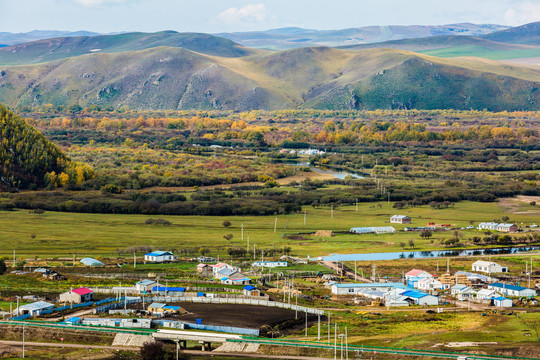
(247, 316)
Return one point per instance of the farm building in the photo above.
(73, 321)
(159, 256)
(77, 296)
(488, 267)
(353, 289)
(463, 292)
(250, 290)
(507, 228)
(417, 274)
(486, 294)
(270, 264)
(203, 268)
(236, 279)
(220, 266)
(400, 219)
(91, 262)
(396, 301)
(502, 302)
(512, 290)
(162, 309)
(34, 309)
(420, 298)
(488, 226)
(169, 290)
(373, 230)
(144, 285)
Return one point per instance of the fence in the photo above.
(74, 306)
(239, 301)
(21, 317)
(226, 329)
(104, 308)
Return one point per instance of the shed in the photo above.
(512, 290)
(420, 298)
(34, 309)
(502, 302)
(507, 228)
(73, 321)
(488, 267)
(250, 290)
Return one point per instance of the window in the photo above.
(351, 290)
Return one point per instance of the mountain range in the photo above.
(170, 70)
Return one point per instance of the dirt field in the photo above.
(520, 204)
(248, 316)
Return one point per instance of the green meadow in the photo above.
(61, 234)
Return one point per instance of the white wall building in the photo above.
(488, 267)
(270, 264)
(159, 256)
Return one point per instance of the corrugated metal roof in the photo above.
(158, 253)
(415, 294)
(38, 305)
(82, 291)
(508, 286)
(157, 305)
(371, 285)
(91, 262)
(146, 282)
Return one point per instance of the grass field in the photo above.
(62, 234)
(482, 52)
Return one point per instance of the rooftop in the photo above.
(38, 305)
(82, 291)
(508, 286)
(371, 285)
(146, 282)
(159, 253)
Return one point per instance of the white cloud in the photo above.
(94, 3)
(523, 13)
(249, 14)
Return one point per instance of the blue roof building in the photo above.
(512, 290)
(159, 256)
(421, 298)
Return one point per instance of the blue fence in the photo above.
(107, 307)
(227, 329)
(106, 301)
(21, 317)
(89, 303)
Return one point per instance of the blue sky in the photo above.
(214, 16)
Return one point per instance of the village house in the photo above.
(418, 274)
(420, 298)
(145, 286)
(430, 284)
(512, 290)
(354, 289)
(488, 267)
(488, 226)
(77, 296)
(159, 256)
(486, 294)
(512, 228)
(220, 266)
(463, 292)
(400, 219)
(270, 264)
(250, 290)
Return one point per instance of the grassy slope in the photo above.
(65, 47)
(171, 78)
(60, 234)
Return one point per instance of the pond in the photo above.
(323, 170)
(429, 254)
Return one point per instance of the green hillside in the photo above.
(321, 78)
(26, 156)
(64, 47)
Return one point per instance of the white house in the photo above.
(488, 267)
(400, 219)
(502, 302)
(430, 284)
(488, 226)
(77, 296)
(355, 289)
(512, 290)
(220, 266)
(159, 256)
(463, 292)
(486, 294)
(396, 301)
(507, 228)
(270, 264)
(417, 274)
(145, 285)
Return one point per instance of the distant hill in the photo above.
(525, 34)
(318, 77)
(293, 37)
(8, 38)
(64, 47)
(26, 156)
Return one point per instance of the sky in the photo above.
(215, 16)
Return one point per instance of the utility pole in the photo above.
(328, 328)
(242, 227)
(355, 271)
(346, 344)
(14, 258)
(389, 198)
(23, 333)
(134, 260)
(275, 225)
(306, 323)
(331, 211)
(448, 265)
(319, 327)
(335, 341)
(374, 267)
(305, 216)
(247, 247)
(356, 205)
